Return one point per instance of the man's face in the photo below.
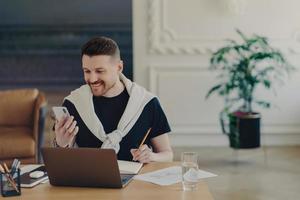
(101, 72)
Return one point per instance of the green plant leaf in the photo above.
(263, 104)
(212, 90)
(267, 83)
(242, 35)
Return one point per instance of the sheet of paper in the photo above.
(168, 176)
(205, 174)
(165, 176)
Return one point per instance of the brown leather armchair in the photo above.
(22, 120)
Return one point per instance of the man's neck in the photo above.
(115, 90)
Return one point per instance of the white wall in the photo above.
(172, 44)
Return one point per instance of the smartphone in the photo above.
(60, 112)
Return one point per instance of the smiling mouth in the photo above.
(98, 84)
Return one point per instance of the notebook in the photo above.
(27, 182)
(128, 167)
(86, 167)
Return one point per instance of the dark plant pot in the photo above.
(244, 130)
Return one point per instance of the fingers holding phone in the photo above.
(65, 127)
(70, 126)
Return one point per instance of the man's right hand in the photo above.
(65, 131)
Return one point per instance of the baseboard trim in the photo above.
(271, 139)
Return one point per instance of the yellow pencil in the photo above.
(145, 137)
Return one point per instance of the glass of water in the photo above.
(189, 165)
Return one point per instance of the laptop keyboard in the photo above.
(125, 178)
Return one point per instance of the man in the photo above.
(110, 111)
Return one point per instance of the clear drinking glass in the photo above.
(189, 165)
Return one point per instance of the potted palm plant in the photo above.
(242, 67)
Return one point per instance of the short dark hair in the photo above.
(101, 46)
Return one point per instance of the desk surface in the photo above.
(138, 190)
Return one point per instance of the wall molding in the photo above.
(163, 40)
(155, 70)
(210, 133)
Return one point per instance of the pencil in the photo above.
(145, 137)
(5, 167)
(2, 169)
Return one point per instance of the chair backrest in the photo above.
(17, 106)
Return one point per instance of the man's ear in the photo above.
(120, 66)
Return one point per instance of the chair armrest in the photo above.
(40, 112)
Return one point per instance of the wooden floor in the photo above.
(269, 174)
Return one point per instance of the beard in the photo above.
(100, 88)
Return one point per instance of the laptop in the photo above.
(84, 167)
